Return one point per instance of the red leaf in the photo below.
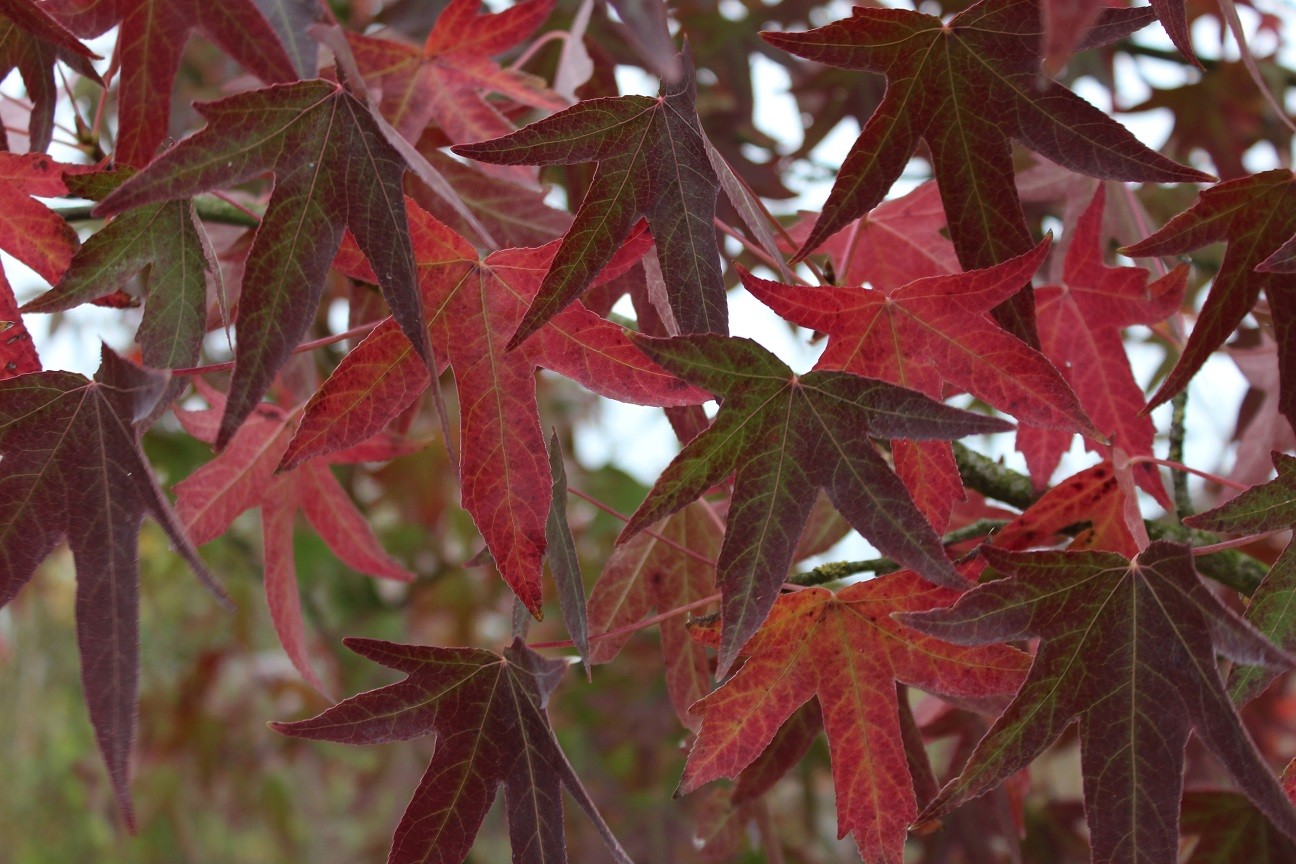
(652, 162)
(17, 352)
(846, 650)
(152, 35)
(488, 715)
(70, 466)
(333, 170)
(1090, 496)
(1128, 647)
(472, 305)
(30, 231)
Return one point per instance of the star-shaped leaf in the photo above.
(170, 242)
(788, 435)
(151, 37)
(932, 332)
(473, 305)
(333, 170)
(1080, 321)
(31, 41)
(652, 162)
(71, 467)
(1256, 215)
(846, 650)
(443, 81)
(967, 88)
(1268, 507)
(243, 476)
(488, 714)
(1128, 648)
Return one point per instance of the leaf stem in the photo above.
(362, 330)
(632, 628)
(210, 208)
(616, 514)
(1179, 466)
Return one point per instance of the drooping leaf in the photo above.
(242, 477)
(652, 162)
(333, 170)
(669, 568)
(1128, 648)
(151, 37)
(846, 650)
(1256, 215)
(933, 332)
(170, 242)
(788, 435)
(32, 42)
(1268, 507)
(30, 231)
(71, 468)
(564, 565)
(969, 86)
(443, 81)
(1080, 322)
(472, 306)
(488, 714)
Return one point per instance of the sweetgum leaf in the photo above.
(472, 305)
(333, 170)
(32, 42)
(1268, 507)
(1127, 648)
(788, 435)
(967, 87)
(846, 650)
(652, 162)
(167, 239)
(488, 714)
(71, 467)
(30, 231)
(152, 35)
(1256, 215)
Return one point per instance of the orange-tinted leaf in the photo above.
(488, 714)
(1091, 496)
(846, 650)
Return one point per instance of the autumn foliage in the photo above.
(383, 262)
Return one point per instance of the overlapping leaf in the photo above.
(30, 231)
(1128, 648)
(473, 306)
(788, 435)
(846, 650)
(1091, 498)
(1256, 215)
(442, 81)
(70, 467)
(488, 714)
(333, 170)
(32, 42)
(668, 568)
(966, 88)
(652, 162)
(242, 477)
(165, 240)
(17, 352)
(1267, 507)
(1080, 323)
(151, 37)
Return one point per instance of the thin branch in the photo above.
(1179, 479)
(362, 330)
(638, 625)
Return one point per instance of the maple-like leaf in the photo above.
(473, 305)
(788, 435)
(488, 714)
(1256, 215)
(151, 37)
(1080, 321)
(664, 569)
(71, 467)
(968, 86)
(847, 651)
(243, 476)
(443, 80)
(1268, 507)
(333, 170)
(932, 332)
(1127, 648)
(31, 41)
(170, 242)
(652, 162)
(30, 231)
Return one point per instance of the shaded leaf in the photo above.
(32, 42)
(488, 714)
(1228, 828)
(564, 565)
